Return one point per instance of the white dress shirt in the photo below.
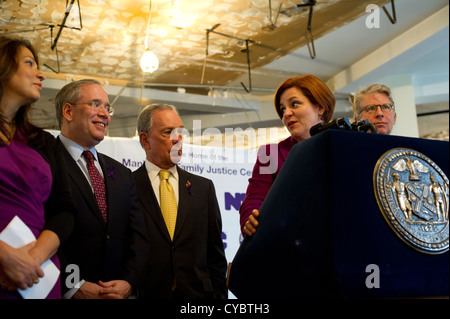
(155, 180)
(76, 152)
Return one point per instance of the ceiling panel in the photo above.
(110, 40)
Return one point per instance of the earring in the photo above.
(321, 118)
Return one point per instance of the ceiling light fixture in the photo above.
(149, 61)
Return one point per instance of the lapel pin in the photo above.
(188, 185)
(111, 171)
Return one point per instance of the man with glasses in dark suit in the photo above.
(108, 248)
(375, 104)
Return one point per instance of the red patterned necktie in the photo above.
(97, 182)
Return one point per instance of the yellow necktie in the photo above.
(168, 201)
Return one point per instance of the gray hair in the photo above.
(145, 117)
(374, 88)
(70, 93)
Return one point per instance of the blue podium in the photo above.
(321, 231)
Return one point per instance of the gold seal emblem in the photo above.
(412, 194)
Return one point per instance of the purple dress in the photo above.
(25, 185)
(270, 159)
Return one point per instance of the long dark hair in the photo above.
(9, 48)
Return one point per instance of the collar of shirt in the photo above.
(153, 171)
(75, 150)
(153, 174)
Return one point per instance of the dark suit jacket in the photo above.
(195, 258)
(59, 207)
(107, 251)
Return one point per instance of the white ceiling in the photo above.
(415, 45)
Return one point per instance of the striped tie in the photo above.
(168, 202)
(97, 182)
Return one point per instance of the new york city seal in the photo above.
(412, 193)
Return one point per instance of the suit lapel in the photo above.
(148, 200)
(184, 200)
(81, 183)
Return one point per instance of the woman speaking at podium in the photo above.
(301, 102)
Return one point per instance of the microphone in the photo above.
(343, 123)
(364, 126)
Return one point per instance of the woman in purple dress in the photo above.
(33, 180)
(301, 102)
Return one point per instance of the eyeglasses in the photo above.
(97, 106)
(373, 108)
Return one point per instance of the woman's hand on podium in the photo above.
(252, 223)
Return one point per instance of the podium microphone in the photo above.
(343, 123)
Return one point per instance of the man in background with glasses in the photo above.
(107, 249)
(375, 104)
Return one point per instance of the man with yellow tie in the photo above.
(187, 259)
